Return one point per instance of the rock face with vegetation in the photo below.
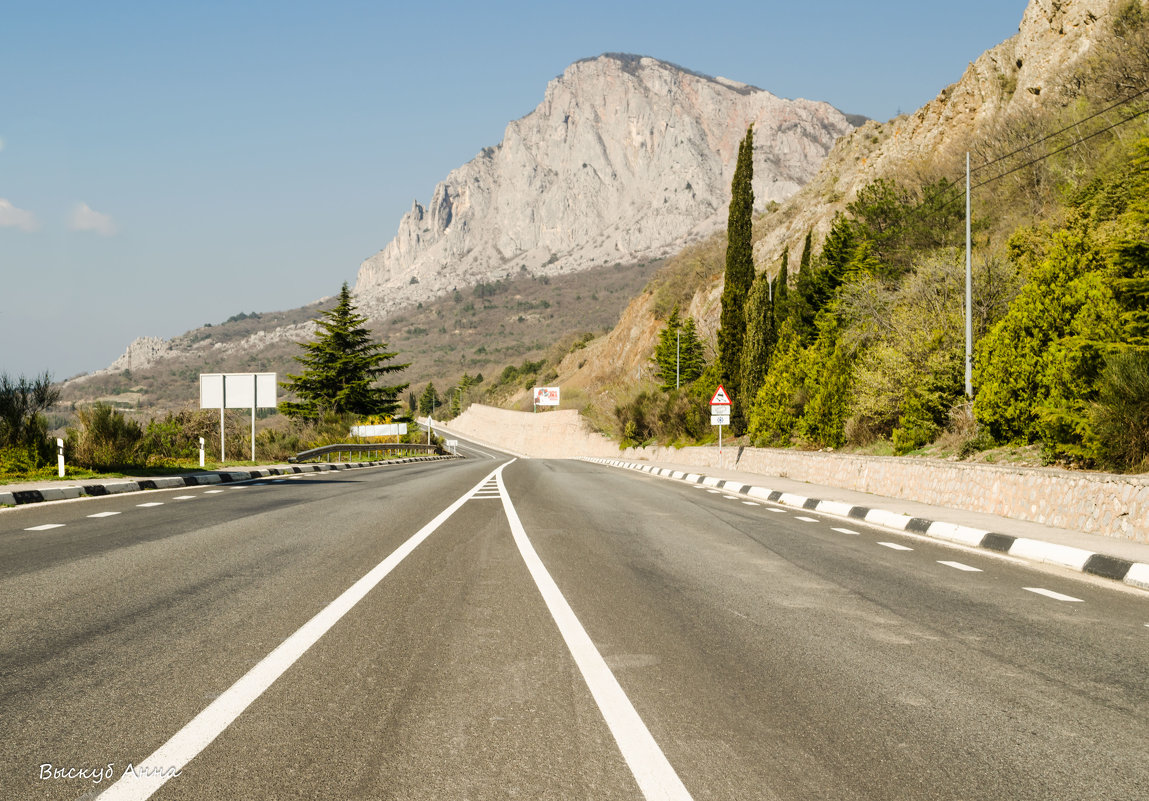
(626, 159)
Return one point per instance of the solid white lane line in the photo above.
(45, 527)
(1054, 595)
(846, 531)
(655, 776)
(806, 519)
(960, 566)
(104, 514)
(896, 546)
(185, 744)
(147, 505)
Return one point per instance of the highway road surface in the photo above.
(491, 628)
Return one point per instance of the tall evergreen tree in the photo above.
(341, 367)
(429, 400)
(692, 359)
(759, 341)
(780, 293)
(667, 353)
(738, 278)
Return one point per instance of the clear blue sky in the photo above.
(163, 165)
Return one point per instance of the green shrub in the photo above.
(1120, 417)
(107, 441)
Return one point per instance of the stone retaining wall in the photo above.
(1097, 503)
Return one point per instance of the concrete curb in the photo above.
(101, 489)
(1135, 574)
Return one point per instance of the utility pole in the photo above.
(968, 293)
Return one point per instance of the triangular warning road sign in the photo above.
(720, 397)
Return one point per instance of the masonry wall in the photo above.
(1098, 503)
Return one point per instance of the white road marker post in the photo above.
(60, 456)
(201, 452)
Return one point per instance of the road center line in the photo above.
(655, 776)
(184, 745)
(1054, 595)
(960, 566)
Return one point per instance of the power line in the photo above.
(1061, 130)
(1063, 148)
(957, 183)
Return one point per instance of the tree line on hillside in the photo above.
(866, 343)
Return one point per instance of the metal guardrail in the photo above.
(403, 448)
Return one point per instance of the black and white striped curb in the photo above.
(1135, 574)
(96, 490)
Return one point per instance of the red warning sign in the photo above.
(720, 397)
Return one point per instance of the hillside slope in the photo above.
(1015, 81)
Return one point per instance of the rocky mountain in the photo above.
(1033, 72)
(626, 159)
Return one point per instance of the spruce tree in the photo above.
(693, 357)
(429, 400)
(341, 367)
(738, 278)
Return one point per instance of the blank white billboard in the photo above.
(382, 430)
(243, 390)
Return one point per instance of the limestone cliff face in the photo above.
(626, 158)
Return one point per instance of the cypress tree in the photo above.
(780, 293)
(666, 352)
(341, 367)
(759, 341)
(738, 278)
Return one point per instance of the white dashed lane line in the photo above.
(149, 505)
(960, 566)
(45, 527)
(212, 492)
(1054, 595)
(184, 498)
(846, 531)
(104, 514)
(806, 519)
(895, 546)
(779, 511)
(751, 503)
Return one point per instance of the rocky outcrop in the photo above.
(1019, 75)
(626, 158)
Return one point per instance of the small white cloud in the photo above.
(84, 218)
(12, 217)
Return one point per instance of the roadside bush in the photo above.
(23, 427)
(107, 441)
(1121, 414)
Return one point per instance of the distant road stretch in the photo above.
(491, 628)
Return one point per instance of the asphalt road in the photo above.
(489, 629)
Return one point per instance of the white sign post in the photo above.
(237, 391)
(720, 414)
(60, 456)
